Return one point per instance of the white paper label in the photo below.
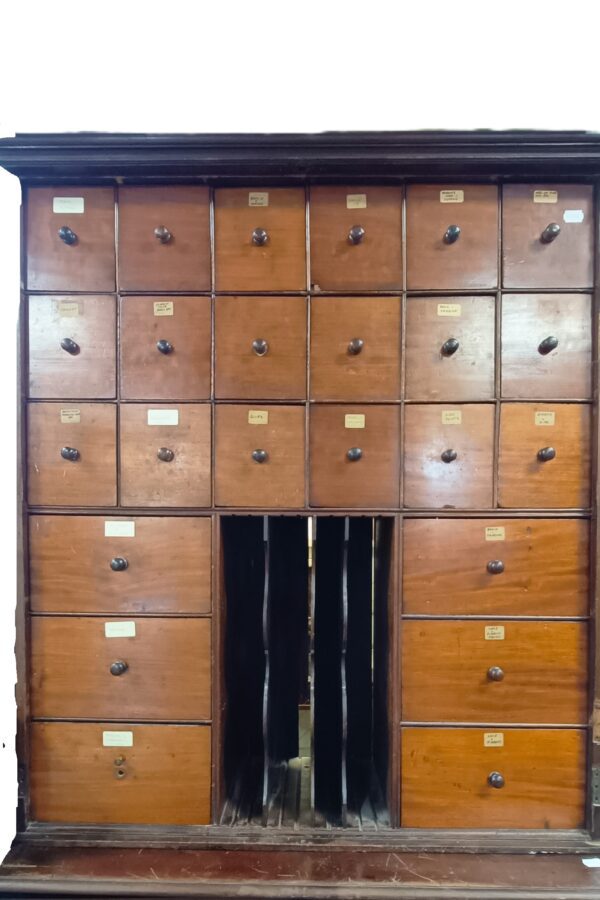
(70, 416)
(493, 739)
(119, 629)
(545, 196)
(452, 196)
(117, 738)
(592, 862)
(495, 533)
(451, 417)
(573, 216)
(163, 308)
(258, 417)
(449, 309)
(545, 418)
(68, 204)
(119, 529)
(494, 632)
(356, 201)
(355, 420)
(258, 198)
(163, 417)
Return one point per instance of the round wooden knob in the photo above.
(164, 347)
(70, 454)
(260, 347)
(450, 347)
(550, 233)
(495, 567)
(356, 234)
(546, 454)
(119, 564)
(67, 236)
(162, 234)
(259, 237)
(548, 345)
(354, 454)
(165, 455)
(70, 346)
(449, 456)
(495, 673)
(260, 456)
(355, 346)
(452, 234)
(119, 667)
(496, 780)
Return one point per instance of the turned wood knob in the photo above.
(449, 456)
(118, 564)
(550, 233)
(260, 456)
(354, 454)
(548, 345)
(67, 236)
(70, 454)
(452, 234)
(450, 347)
(495, 567)
(356, 234)
(119, 667)
(259, 237)
(495, 673)
(355, 346)
(70, 346)
(260, 347)
(546, 454)
(162, 234)
(164, 347)
(165, 455)
(496, 780)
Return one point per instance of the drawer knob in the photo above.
(67, 236)
(165, 455)
(162, 234)
(449, 456)
(546, 454)
(452, 234)
(119, 667)
(260, 456)
(450, 347)
(70, 346)
(164, 347)
(548, 344)
(356, 234)
(495, 567)
(70, 454)
(119, 761)
(354, 454)
(496, 780)
(259, 237)
(260, 347)
(550, 233)
(495, 673)
(119, 564)
(120, 773)
(355, 346)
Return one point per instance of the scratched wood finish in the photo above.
(168, 565)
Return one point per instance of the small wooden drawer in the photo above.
(260, 348)
(165, 348)
(355, 238)
(484, 778)
(448, 456)
(483, 671)
(452, 236)
(260, 239)
(164, 238)
(72, 454)
(547, 236)
(160, 670)
(508, 567)
(140, 564)
(354, 456)
(107, 773)
(355, 348)
(259, 456)
(450, 348)
(70, 238)
(544, 455)
(165, 454)
(546, 346)
(72, 347)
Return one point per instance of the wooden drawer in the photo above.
(259, 456)
(260, 348)
(482, 671)
(164, 240)
(532, 257)
(72, 458)
(440, 257)
(148, 774)
(165, 454)
(260, 239)
(165, 348)
(143, 564)
(72, 249)
(546, 346)
(528, 474)
(446, 778)
(355, 456)
(355, 238)
(509, 567)
(72, 347)
(448, 456)
(163, 672)
(355, 348)
(450, 348)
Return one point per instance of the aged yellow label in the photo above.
(258, 417)
(67, 309)
(117, 738)
(119, 629)
(452, 196)
(119, 529)
(356, 201)
(355, 420)
(494, 632)
(70, 416)
(495, 533)
(449, 309)
(493, 739)
(258, 198)
(163, 308)
(68, 205)
(545, 418)
(545, 196)
(451, 417)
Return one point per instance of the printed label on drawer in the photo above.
(452, 196)
(494, 632)
(67, 309)
(119, 529)
(545, 196)
(448, 309)
(163, 308)
(573, 216)
(163, 417)
(545, 418)
(258, 417)
(70, 416)
(117, 738)
(119, 629)
(493, 739)
(451, 417)
(355, 420)
(258, 198)
(495, 533)
(68, 204)
(356, 201)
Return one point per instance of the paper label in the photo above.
(545, 196)
(117, 738)
(573, 216)
(163, 417)
(355, 420)
(68, 204)
(258, 417)
(452, 196)
(119, 529)
(70, 416)
(448, 309)
(451, 417)
(258, 198)
(356, 201)
(494, 632)
(67, 309)
(493, 739)
(119, 629)
(545, 418)
(163, 308)
(495, 533)
(592, 862)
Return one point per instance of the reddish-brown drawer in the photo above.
(450, 348)
(355, 238)
(70, 238)
(452, 236)
(72, 347)
(546, 346)
(140, 564)
(354, 456)
(107, 773)
(509, 567)
(72, 454)
(484, 671)
(259, 456)
(448, 456)
(493, 778)
(260, 348)
(165, 454)
(355, 348)
(544, 455)
(165, 348)
(164, 240)
(80, 670)
(260, 239)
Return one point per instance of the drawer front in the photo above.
(164, 239)
(260, 239)
(450, 348)
(546, 346)
(355, 238)
(165, 348)
(160, 777)
(72, 458)
(534, 253)
(544, 456)
(355, 348)
(165, 455)
(448, 456)
(259, 456)
(509, 567)
(93, 564)
(72, 248)
(446, 778)
(355, 456)
(494, 671)
(452, 236)
(163, 672)
(260, 348)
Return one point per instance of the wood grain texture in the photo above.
(168, 565)
(166, 780)
(181, 264)
(168, 674)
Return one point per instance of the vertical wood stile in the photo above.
(593, 809)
